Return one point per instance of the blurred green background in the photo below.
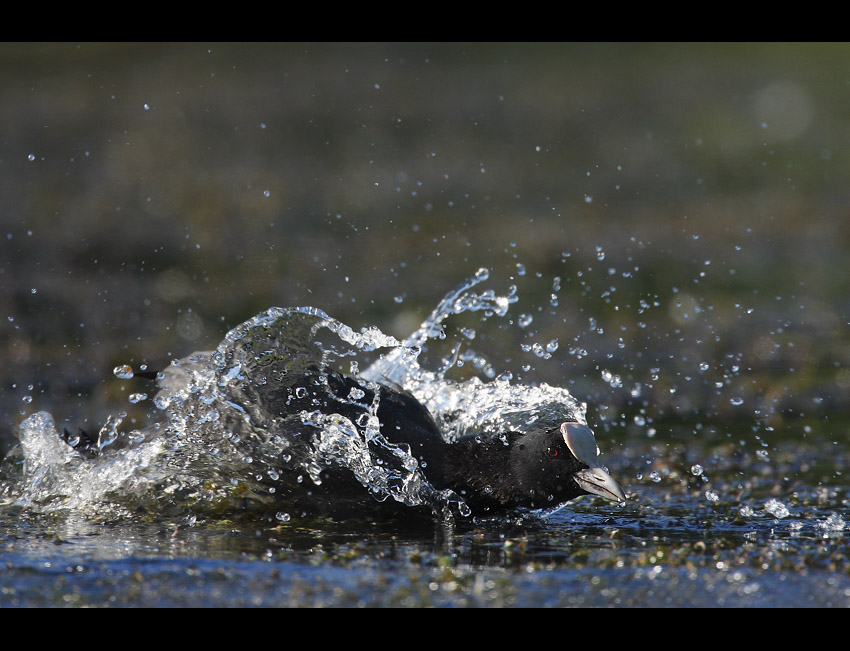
(686, 205)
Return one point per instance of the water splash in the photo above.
(473, 406)
(211, 447)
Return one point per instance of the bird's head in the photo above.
(558, 464)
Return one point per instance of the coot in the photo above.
(536, 469)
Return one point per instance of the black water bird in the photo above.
(538, 469)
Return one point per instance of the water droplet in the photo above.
(137, 397)
(696, 470)
(124, 372)
(612, 378)
(776, 508)
(31, 157)
(833, 523)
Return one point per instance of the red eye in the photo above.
(552, 452)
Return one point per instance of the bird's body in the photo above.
(537, 469)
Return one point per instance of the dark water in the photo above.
(674, 219)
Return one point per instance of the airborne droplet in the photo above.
(123, 372)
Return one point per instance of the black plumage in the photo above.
(536, 469)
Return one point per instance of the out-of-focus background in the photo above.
(675, 215)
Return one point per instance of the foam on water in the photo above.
(211, 447)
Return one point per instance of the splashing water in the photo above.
(474, 406)
(213, 448)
